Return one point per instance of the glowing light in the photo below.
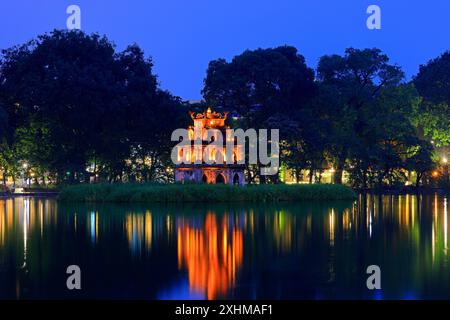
(92, 227)
(433, 240)
(445, 226)
(332, 170)
(331, 223)
(2, 224)
(148, 230)
(212, 255)
(444, 160)
(26, 221)
(435, 173)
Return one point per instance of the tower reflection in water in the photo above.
(212, 254)
(301, 250)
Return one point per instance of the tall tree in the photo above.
(260, 83)
(3, 122)
(264, 86)
(433, 84)
(349, 85)
(76, 103)
(65, 83)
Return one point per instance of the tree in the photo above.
(433, 85)
(75, 103)
(337, 120)
(3, 123)
(260, 85)
(349, 87)
(8, 163)
(303, 142)
(421, 161)
(433, 80)
(63, 82)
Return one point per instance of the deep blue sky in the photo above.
(182, 36)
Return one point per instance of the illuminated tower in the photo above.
(196, 167)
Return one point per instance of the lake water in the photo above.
(233, 251)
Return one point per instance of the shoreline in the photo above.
(232, 197)
(404, 191)
(208, 193)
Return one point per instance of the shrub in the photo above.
(129, 192)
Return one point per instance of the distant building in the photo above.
(195, 168)
(195, 102)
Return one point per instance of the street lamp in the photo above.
(27, 179)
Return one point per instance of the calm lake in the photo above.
(234, 251)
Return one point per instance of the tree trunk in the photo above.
(95, 170)
(364, 179)
(339, 168)
(337, 177)
(418, 178)
(262, 178)
(297, 175)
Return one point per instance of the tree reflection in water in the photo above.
(212, 251)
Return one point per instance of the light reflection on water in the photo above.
(285, 251)
(211, 254)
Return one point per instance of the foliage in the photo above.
(433, 84)
(202, 193)
(73, 109)
(74, 103)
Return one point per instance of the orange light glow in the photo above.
(212, 255)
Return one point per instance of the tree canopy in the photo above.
(433, 85)
(354, 115)
(73, 108)
(74, 101)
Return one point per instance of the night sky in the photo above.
(182, 36)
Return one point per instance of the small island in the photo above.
(204, 193)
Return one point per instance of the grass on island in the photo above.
(129, 192)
